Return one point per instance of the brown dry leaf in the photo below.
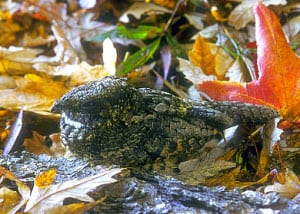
(289, 189)
(4, 131)
(23, 189)
(8, 174)
(36, 144)
(137, 9)
(37, 38)
(57, 149)
(195, 19)
(8, 30)
(68, 30)
(33, 92)
(17, 60)
(243, 13)
(204, 172)
(261, 181)
(45, 198)
(8, 199)
(228, 179)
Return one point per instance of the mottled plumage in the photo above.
(110, 121)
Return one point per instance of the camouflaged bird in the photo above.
(113, 122)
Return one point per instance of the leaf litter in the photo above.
(34, 76)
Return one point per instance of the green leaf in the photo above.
(141, 32)
(138, 58)
(176, 48)
(109, 34)
(197, 3)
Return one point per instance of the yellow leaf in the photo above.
(218, 15)
(8, 199)
(166, 3)
(75, 208)
(7, 174)
(32, 92)
(223, 61)
(18, 202)
(201, 56)
(45, 179)
(8, 30)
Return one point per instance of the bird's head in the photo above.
(99, 95)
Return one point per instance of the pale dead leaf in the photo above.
(240, 71)
(210, 31)
(7, 82)
(36, 144)
(77, 73)
(289, 189)
(292, 27)
(46, 198)
(243, 13)
(33, 40)
(25, 193)
(195, 19)
(137, 9)
(234, 72)
(192, 72)
(17, 60)
(197, 171)
(75, 208)
(109, 56)
(223, 60)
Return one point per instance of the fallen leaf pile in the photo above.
(215, 50)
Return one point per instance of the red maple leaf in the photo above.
(278, 84)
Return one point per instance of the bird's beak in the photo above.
(56, 107)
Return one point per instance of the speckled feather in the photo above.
(115, 123)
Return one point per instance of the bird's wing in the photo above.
(219, 115)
